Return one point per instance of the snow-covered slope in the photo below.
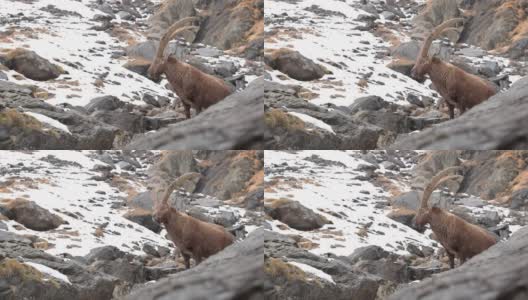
(71, 42)
(341, 190)
(68, 184)
(351, 52)
(334, 193)
(332, 33)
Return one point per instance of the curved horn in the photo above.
(169, 191)
(175, 33)
(169, 35)
(438, 31)
(435, 182)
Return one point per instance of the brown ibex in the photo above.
(459, 238)
(458, 88)
(194, 238)
(195, 88)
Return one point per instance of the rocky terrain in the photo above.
(340, 223)
(339, 74)
(73, 74)
(78, 225)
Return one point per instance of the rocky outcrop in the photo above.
(234, 123)
(498, 123)
(235, 25)
(31, 65)
(29, 214)
(295, 215)
(234, 273)
(231, 173)
(505, 265)
(294, 64)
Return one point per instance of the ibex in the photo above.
(458, 88)
(194, 238)
(459, 238)
(195, 88)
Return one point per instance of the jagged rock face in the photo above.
(234, 123)
(505, 264)
(235, 273)
(223, 24)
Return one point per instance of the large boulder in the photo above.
(31, 65)
(237, 122)
(237, 272)
(31, 215)
(504, 264)
(294, 64)
(295, 215)
(498, 123)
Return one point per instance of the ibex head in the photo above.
(158, 64)
(162, 210)
(423, 61)
(423, 216)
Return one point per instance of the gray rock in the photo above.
(295, 215)
(472, 202)
(234, 123)
(32, 65)
(389, 15)
(225, 218)
(125, 15)
(410, 200)
(294, 64)
(208, 52)
(367, 253)
(31, 215)
(143, 218)
(519, 199)
(104, 103)
(147, 50)
(105, 253)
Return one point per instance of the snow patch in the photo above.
(309, 269)
(47, 270)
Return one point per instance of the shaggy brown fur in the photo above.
(459, 238)
(195, 88)
(459, 88)
(194, 238)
